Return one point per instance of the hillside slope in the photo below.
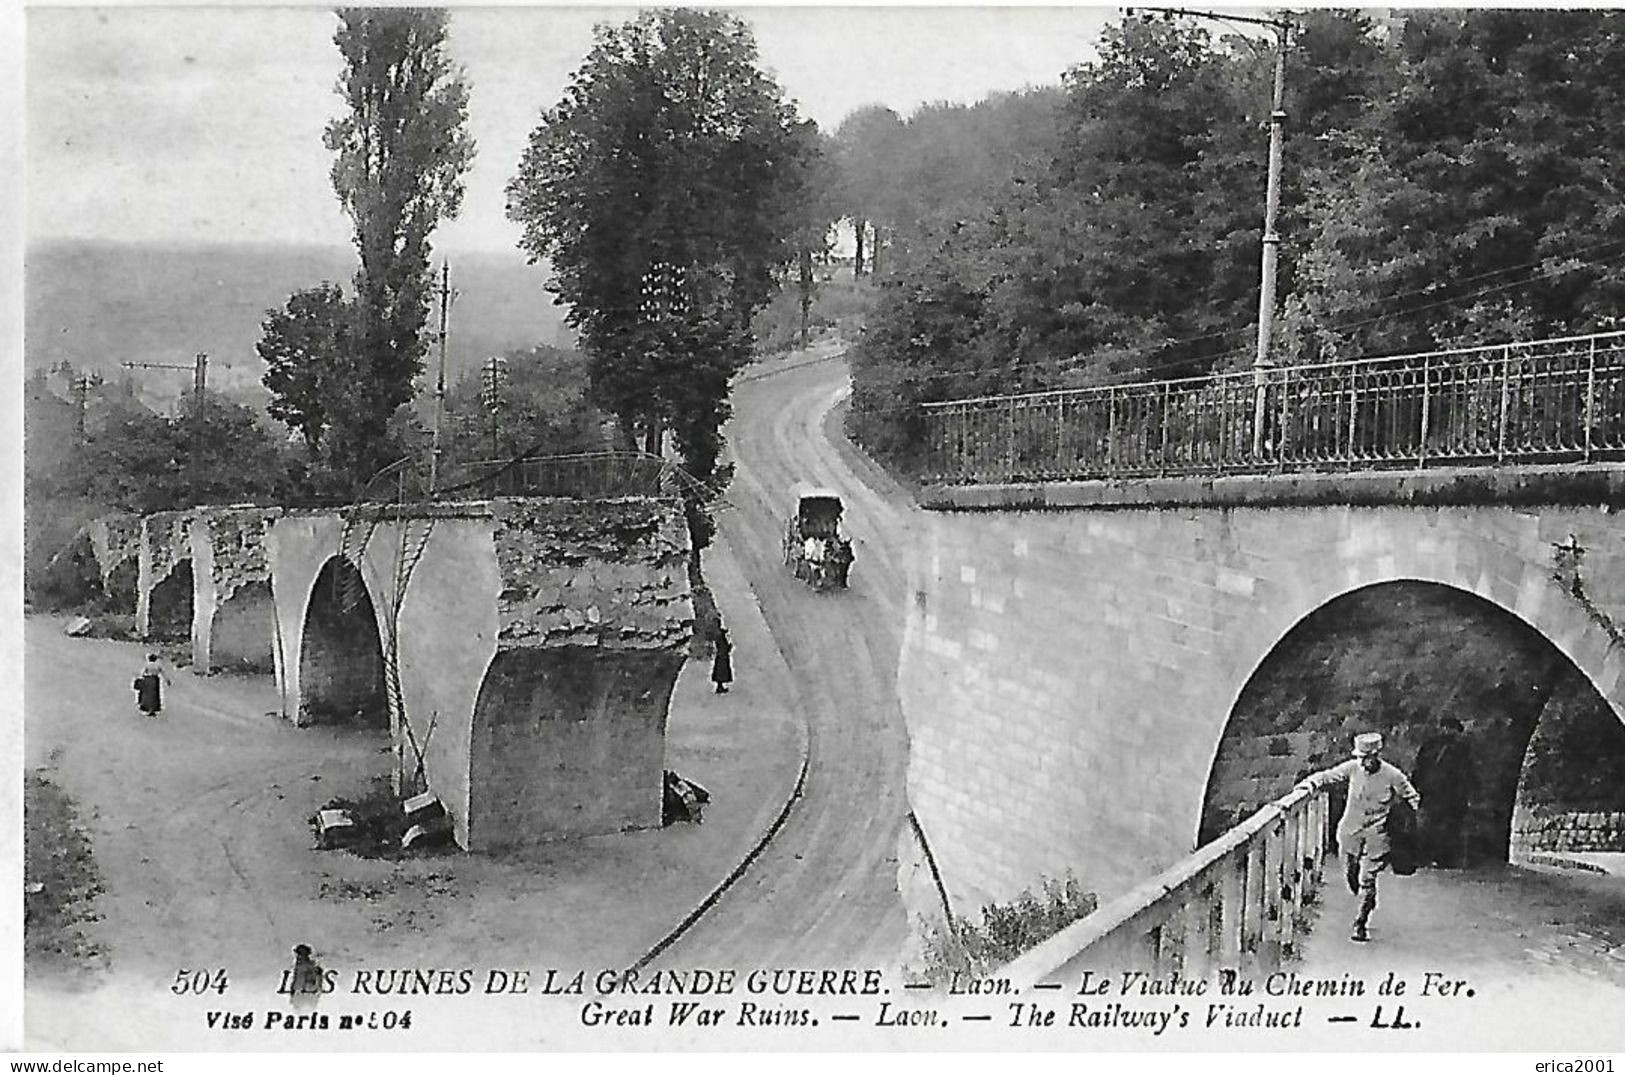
(98, 304)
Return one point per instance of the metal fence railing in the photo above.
(1541, 401)
(1238, 902)
(587, 476)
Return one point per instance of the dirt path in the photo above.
(825, 891)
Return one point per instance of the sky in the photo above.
(204, 124)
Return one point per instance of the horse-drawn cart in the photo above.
(814, 547)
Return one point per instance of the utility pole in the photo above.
(200, 386)
(494, 370)
(200, 374)
(440, 380)
(81, 391)
(1262, 358)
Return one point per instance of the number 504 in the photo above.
(198, 982)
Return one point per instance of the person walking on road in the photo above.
(722, 666)
(1374, 789)
(149, 686)
(1443, 773)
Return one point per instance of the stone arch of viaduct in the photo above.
(1068, 676)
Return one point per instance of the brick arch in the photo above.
(340, 651)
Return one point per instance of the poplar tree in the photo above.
(400, 154)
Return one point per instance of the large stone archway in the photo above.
(341, 658)
(569, 741)
(1396, 658)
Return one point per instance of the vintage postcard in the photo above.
(806, 529)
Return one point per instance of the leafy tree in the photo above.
(869, 143)
(216, 453)
(658, 191)
(814, 201)
(400, 155)
(543, 410)
(310, 359)
(1480, 200)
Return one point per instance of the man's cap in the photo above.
(1366, 744)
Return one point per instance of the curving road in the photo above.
(824, 891)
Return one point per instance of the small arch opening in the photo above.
(169, 606)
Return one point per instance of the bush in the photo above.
(1006, 930)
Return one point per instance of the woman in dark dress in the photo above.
(149, 687)
(722, 667)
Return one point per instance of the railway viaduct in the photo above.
(1074, 654)
(521, 652)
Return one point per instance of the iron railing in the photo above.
(1542, 401)
(1237, 902)
(587, 476)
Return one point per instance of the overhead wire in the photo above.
(1206, 361)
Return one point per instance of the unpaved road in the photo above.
(824, 893)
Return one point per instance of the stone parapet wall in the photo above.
(1535, 831)
(237, 547)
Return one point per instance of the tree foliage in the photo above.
(869, 146)
(664, 190)
(400, 152)
(1450, 177)
(135, 460)
(310, 359)
(540, 407)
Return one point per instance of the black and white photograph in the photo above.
(806, 529)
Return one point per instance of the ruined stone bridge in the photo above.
(520, 652)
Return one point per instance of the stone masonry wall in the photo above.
(166, 540)
(593, 573)
(1067, 676)
(595, 615)
(570, 741)
(117, 541)
(235, 625)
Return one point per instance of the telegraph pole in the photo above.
(200, 374)
(494, 369)
(1262, 358)
(440, 380)
(200, 385)
(81, 392)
